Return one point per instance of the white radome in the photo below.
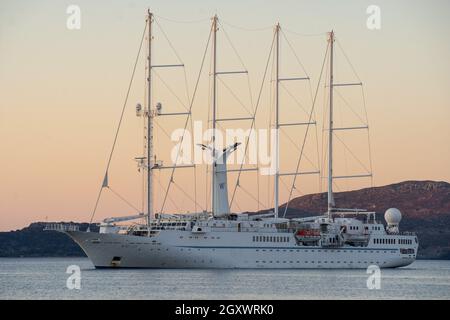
(393, 216)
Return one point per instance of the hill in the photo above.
(425, 206)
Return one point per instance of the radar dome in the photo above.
(393, 216)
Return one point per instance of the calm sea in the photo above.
(45, 278)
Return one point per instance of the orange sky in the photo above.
(61, 93)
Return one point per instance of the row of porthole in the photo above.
(306, 262)
(191, 237)
(320, 251)
(284, 250)
(318, 262)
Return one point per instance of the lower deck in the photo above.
(112, 250)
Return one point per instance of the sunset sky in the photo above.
(61, 94)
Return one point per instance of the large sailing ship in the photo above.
(219, 238)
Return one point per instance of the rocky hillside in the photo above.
(32, 241)
(425, 206)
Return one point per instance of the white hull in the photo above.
(180, 249)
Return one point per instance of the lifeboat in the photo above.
(305, 235)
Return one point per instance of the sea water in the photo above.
(58, 278)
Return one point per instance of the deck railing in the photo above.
(61, 227)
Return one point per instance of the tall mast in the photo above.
(149, 123)
(330, 131)
(213, 191)
(277, 123)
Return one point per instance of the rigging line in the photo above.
(271, 103)
(187, 118)
(307, 130)
(162, 129)
(350, 151)
(348, 60)
(246, 29)
(257, 190)
(237, 207)
(249, 194)
(186, 194)
(324, 142)
(178, 57)
(306, 34)
(234, 96)
(295, 54)
(296, 147)
(183, 21)
(171, 90)
(316, 133)
(310, 90)
(123, 199)
(250, 93)
(195, 167)
(285, 185)
(170, 199)
(254, 116)
(186, 84)
(341, 122)
(350, 107)
(120, 121)
(295, 99)
(316, 137)
(168, 41)
(368, 135)
(232, 45)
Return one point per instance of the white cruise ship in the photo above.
(338, 239)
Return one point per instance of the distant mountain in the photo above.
(425, 206)
(32, 241)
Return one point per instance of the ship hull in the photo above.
(184, 251)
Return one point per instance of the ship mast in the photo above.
(277, 124)
(214, 109)
(330, 131)
(149, 124)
